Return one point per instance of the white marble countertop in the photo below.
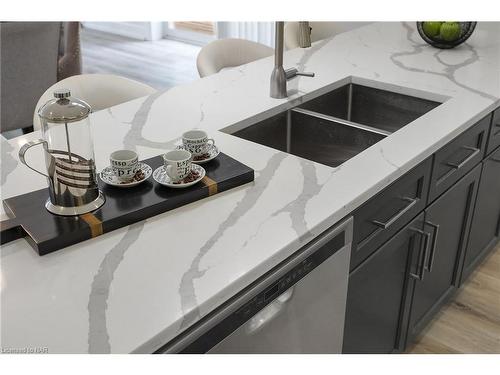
(136, 288)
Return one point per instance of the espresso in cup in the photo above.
(197, 142)
(125, 164)
(177, 164)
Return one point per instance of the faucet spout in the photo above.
(278, 76)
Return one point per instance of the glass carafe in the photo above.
(69, 155)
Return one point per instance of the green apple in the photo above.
(432, 28)
(450, 31)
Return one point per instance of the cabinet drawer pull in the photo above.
(495, 159)
(421, 267)
(432, 253)
(474, 150)
(411, 202)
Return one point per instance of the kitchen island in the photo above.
(137, 288)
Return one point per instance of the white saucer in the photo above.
(108, 176)
(160, 176)
(212, 153)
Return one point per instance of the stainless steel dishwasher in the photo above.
(298, 307)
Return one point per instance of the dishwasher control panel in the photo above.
(281, 286)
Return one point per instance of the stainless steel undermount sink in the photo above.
(338, 125)
(382, 109)
(311, 137)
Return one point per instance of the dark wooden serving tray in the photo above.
(124, 206)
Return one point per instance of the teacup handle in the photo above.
(211, 140)
(25, 147)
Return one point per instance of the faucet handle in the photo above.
(292, 72)
(305, 74)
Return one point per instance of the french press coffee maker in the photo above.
(69, 156)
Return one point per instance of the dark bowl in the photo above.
(466, 29)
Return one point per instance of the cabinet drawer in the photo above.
(387, 212)
(494, 138)
(458, 157)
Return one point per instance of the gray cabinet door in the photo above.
(452, 213)
(485, 230)
(377, 291)
(494, 139)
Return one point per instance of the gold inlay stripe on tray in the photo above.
(94, 223)
(210, 184)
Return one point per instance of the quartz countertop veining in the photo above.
(136, 288)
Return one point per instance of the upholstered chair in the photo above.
(99, 90)
(226, 53)
(28, 60)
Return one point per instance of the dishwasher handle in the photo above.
(268, 313)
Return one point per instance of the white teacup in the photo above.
(197, 142)
(177, 164)
(125, 164)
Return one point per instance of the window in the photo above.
(197, 32)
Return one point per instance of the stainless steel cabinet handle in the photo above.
(495, 159)
(268, 313)
(411, 202)
(421, 267)
(432, 253)
(474, 150)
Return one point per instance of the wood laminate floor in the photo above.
(161, 64)
(471, 322)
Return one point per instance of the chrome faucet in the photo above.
(279, 76)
